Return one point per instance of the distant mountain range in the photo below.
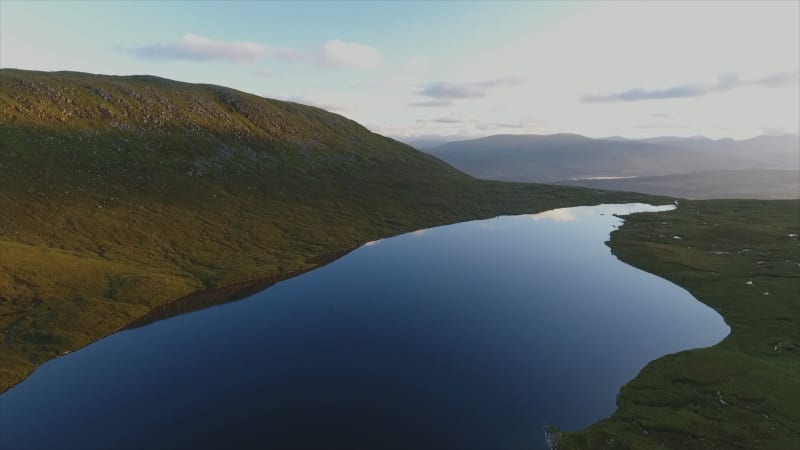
(760, 163)
(738, 183)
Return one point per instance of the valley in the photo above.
(764, 167)
(120, 195)
(153, 189)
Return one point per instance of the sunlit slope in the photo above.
(121, 193)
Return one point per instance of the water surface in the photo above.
(468, 336)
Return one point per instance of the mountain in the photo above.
(121, 193)
(738, 183)
(560, 157)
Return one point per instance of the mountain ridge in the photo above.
(555, 158)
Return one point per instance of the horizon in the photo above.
(452, 138)
(459, 69)
(447, 139)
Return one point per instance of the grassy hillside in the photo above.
(743, 259)
(119, 194)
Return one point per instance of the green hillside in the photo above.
(740, 257)
(119, 194)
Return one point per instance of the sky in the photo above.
(446, 68)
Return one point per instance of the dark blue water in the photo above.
(474, 335)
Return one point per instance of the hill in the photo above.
(130, 199)
(568, 157)
(120, 194)
(738, 183)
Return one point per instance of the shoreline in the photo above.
(746, 368)
(207, 298)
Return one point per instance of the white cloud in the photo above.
(288, 54)
(445, 91)
(431, 103)
(563, 60)
(192, 47)
(724, 84)
(337, 53)
(198, 48)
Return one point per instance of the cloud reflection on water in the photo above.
(557, 215)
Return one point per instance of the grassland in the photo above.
(739, 257)
(120, 194)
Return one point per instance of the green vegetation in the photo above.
(120, 194)
(743, 393)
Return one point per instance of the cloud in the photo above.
(337, 53)
(724, 83)
(442, 90)
(496, 126)
(447, 120)
(287, 54)
(431, 103)
(477, 124)
(631, 95)
(198, 48)
(192, 47)
(780, 80)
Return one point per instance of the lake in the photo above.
(469, 336)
